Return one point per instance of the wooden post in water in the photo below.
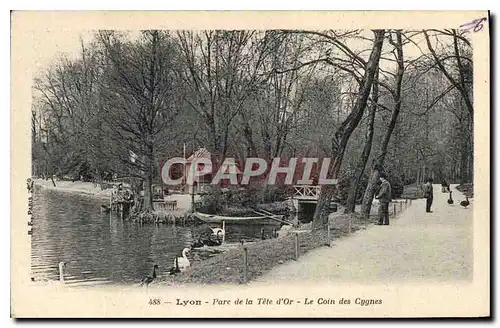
(120, 206)
(296, 246)
(245, 265)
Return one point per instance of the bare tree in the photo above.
(459, 73)
(396, 94)
(343, 133)
(363, 159)
(140, 99)
(221, 72)
(66, 98)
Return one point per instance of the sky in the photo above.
(49, 45)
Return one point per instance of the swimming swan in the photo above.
(183, 262)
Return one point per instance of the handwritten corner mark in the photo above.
(476, 25)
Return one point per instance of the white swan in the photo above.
(220, 233)
(183, 261)
(61, 271)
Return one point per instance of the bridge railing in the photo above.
(306, 191)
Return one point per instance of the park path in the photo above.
(416, 246)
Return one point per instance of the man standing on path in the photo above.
(429, 195)
(384, 196)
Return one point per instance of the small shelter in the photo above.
(206, 179)
(203, 180)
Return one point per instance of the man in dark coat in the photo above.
(429, 195)
(384, 196)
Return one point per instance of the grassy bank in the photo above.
(228, 267)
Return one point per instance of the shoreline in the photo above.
(77, 187)
(227, 267)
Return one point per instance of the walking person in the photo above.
(384, 196)
(429, 195)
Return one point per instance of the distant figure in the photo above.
(384, 196)
(429, 195)
(445, 186)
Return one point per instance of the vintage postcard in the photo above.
(250, 164)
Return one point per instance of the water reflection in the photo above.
(102, 249)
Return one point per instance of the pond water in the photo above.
(101, 248)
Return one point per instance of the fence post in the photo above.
(400, 206)
(394, 214)
(328, 233)
(349, 226)
(245, 265)
(223, 231)
(296, 246)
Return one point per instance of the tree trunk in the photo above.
(148, 181)
(366, 206)
(360, 167)
(379, 162)
(251, 148)
(100, 180)
(148, 199)
(343, 133)
(267, 144)
(464, 156)
(470, 151)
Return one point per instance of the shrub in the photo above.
(344, 182)
(217, 200)
(397, 185)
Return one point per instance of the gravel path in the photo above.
(417, 246)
